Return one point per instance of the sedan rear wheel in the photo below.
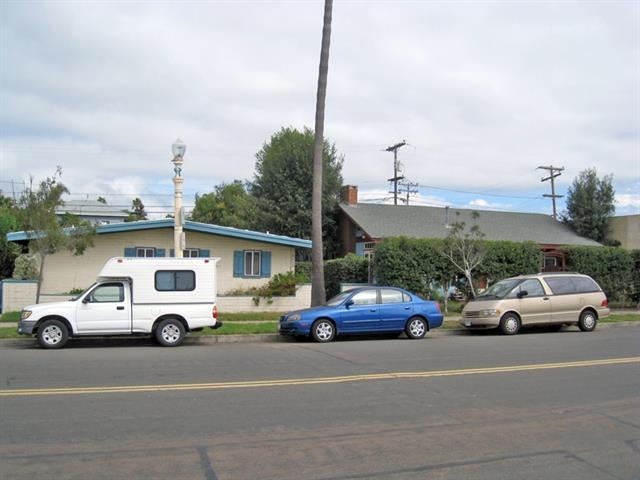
(416, 328)
(323, 331)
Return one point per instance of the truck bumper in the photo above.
(216, 326)
(26, 327)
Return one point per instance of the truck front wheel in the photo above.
(170, 332)
(52, 334)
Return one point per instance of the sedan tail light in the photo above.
(438, 306)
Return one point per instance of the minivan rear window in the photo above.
(571, 284)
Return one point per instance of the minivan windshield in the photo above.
(500, 289)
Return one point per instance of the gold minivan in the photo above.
(542, 299)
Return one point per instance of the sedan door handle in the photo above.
(120, 308)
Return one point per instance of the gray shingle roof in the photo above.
(380, 221)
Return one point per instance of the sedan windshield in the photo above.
(499, 290)
(338, 299)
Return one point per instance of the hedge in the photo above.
(612, 267)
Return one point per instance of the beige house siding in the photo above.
(64, 271)
(627, 231)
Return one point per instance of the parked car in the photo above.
(365, 310)
(543, 299)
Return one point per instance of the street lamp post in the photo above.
(178, 148)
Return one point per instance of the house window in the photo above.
(191, 253)
(145, 252)
(175, 280)
(369, 245)
(252, 264)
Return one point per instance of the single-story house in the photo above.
(247, 258)
(363, 225)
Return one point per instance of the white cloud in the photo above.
(483, 92)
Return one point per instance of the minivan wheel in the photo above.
(323, 331)
(587, 321)
(170, 332)
(510, 324)
(52, 334)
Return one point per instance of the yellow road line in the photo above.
(313, 381)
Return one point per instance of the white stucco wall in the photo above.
(63, 271)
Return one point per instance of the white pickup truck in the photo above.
(162, 297)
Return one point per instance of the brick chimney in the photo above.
(349, 194)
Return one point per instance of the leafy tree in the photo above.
(137, 211)
(37, 216)
(8, 223)
(590, 205)
(283, 183)
(465, 249)
(317, 262)
(229, 206)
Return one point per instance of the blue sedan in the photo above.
(365, 310)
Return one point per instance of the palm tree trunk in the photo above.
(318, 295)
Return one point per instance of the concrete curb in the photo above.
(275, 338)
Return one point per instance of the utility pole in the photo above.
(410, 189)
(394, 149)
(552, 176)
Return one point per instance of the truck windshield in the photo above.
(81, 294)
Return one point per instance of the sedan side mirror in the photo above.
(348, 303)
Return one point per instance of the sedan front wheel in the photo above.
(323, 331)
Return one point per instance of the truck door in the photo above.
(105, 309)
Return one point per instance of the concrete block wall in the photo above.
(233, 304)
(17, 294)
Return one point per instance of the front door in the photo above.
(363, 313)
(105, 309)
(535, 306)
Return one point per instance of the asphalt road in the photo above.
(480, 406)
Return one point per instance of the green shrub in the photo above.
(27, 267)
(350, 269)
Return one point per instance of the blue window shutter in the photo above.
(203, 253)
(265, 264)
(238, 263)
(160, 252)
(130, 251)
(172, 252)
(360, 249)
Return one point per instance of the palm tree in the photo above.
(318, 295)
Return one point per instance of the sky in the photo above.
(482, 92)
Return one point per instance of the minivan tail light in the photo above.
(605, 303)
(214, 313)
